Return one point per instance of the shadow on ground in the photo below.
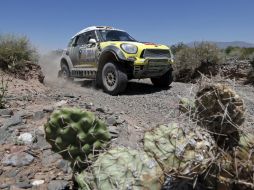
(133, 87)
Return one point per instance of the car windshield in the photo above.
(115, 35)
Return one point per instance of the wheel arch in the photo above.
(107, 55)
(67, 62)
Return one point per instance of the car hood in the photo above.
(140, 45)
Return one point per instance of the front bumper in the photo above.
(151, 67)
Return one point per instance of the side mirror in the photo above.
(92, 41)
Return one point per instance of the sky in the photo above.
(49, 24)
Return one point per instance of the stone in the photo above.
(14, 120)
(58, 185)
(60, 103)
(48, 109)
(63, 165)
(69, 95)
(49, 157)
(111, 120)
(26, 138)
(37, 182)
(23, 185)
(100, 110)
(6, 112)
(38, 115)
(17, 159)
(4, 186)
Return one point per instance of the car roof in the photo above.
(91, 28)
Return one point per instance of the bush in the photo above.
(3, 90)
(191, 61)
(14, 50)
(251, 73)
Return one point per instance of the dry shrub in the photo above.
(14, 51)
(191, 61)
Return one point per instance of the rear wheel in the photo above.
(164, 80)
(114, 79)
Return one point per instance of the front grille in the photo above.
(155, 53)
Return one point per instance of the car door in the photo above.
(88, 51)
(75, 49)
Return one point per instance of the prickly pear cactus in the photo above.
(180, 150)
(122, 169)
(221, 110)
(75, 134)
(186, 105)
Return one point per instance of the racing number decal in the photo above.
(87, 55)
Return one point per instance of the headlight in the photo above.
(129, 48)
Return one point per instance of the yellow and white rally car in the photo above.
(112, 57)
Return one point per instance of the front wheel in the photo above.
(164, 80)
(114, 79)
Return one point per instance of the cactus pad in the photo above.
(75, 133)
(122, 168)
(180, 150)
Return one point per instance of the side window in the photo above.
(70, 42)
(90, 35)
(81, 40)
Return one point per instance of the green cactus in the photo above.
(179, 149)
(221, 111)
(124, 168)
(85, 180)
(75, 134)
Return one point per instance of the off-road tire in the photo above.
(164, 80)
(114, 78)
(65, 73)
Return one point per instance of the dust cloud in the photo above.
(50, 64)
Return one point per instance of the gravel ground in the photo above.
(140, 108)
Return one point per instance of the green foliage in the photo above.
(124, 168)
(3, 90)
(191, 61)
(14, 50)
(76, 134)
(239, 53)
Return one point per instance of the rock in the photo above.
(38, 115)
(113, 131)
(48, 109)
(24, 114)
(23, 185)
(18, 159)
(58, 185)
(89, 105)
(5, 112)
(69, 95)
(64, 166)
(26, 138)
(111, 120)
(14, 120)
(60, 103)
(4, 186)
(49, 157)
(100, 110)
(37, 182)
(11, 173)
